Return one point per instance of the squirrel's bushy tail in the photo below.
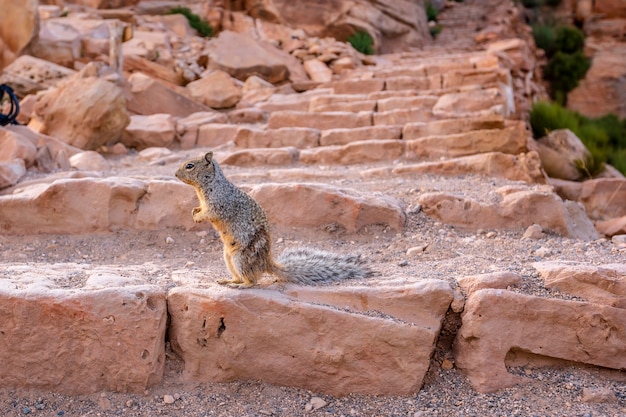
(311, 266)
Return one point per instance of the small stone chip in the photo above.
(168, 399)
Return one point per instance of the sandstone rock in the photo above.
(216, 134)
(298, 137)
(604, 198)
(351, 106)
(354, 153)
(356, 86)
(253, 58)
(612, 227)
(534, 231)
(425, 103)
(318, 71)
(114, 203)
(59, 41)
(18, 27)
(104, 4)
(255, 157)
(295, 102)
(85, 112)
(11, 172)
(401, 117)
(156, 130)
(511, 140)
(393, 26)
(92, 340)
(188, 128)
(228, 335)
(560, 152)
(52, 154)
(522, 167)
(515, 209)
(322, 121)
(250, 115)
(602, 284)
(452, 126)
(599, 395)
(497, 280)
(465, 103)
(343, 136)
(13, 146)
(320, 206)
(149, 96)
(153, 46)
(89, 161)
(498, 322)
(135, 63)
(217, 89)
(28, 75)
(601, 91)
(405, 82)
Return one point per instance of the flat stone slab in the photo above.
(336, 340)
(108, 335)
(497, 322)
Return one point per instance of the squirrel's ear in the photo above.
(208, 157)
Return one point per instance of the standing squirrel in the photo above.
(244, 230)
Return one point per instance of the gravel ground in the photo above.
(159, 256)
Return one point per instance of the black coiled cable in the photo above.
(14, 110)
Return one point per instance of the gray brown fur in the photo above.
(244, 230)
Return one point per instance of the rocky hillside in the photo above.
(500, 281)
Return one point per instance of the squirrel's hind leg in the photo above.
(240, 278)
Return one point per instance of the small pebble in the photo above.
(26, 410)
(168, 399)
(169, 240)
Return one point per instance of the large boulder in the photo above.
(19, 25)
(216, 89)
(253, 57)
(325, 340)
(85, 111)
(394, 26)
(29, 75)
(561, 152)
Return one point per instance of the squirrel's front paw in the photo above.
(196, 213)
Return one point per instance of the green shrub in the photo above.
(362, 42)
(604, 137)
(195, 21)
(431, 12)
(546, 117)
(564, 71)
(544, 35)
(435, 30)
(569, 39)
(531, 4)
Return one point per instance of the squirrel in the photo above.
(244, 230)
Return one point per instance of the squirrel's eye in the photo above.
(189, 166)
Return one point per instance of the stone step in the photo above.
(322, 121)
(119, 203)
(108, 335)
(226, 335)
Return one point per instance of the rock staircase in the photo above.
(431, 112)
